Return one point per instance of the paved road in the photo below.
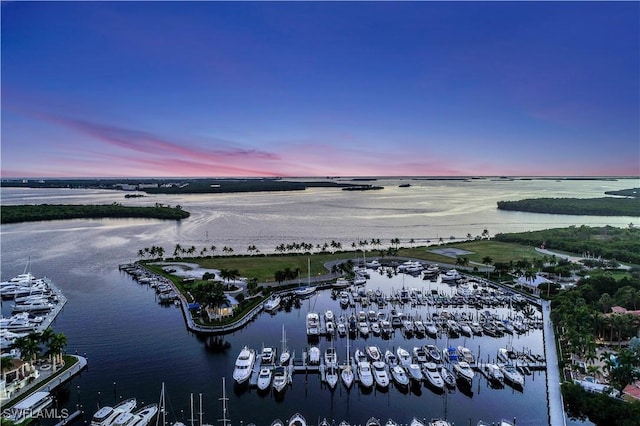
(554, 395)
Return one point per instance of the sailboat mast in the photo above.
(192, 419)
(309, 270)
(224, 400)
(200, 412)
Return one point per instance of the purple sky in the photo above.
(320, 88)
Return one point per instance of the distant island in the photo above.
(179, 185)
(632, 192)
(32, 213)
(605, 206)
(362, 188)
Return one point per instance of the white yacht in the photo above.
(463, 370)
(512, 375)
(280, 379)
(268, 355)
(313, 324)
(431, 373)
(264, 379)
(415, 372)
(341, 283)
(465, 354)
(380, 374)
(404, 357)
(364, 374)
(244, 365)
(494, 373)
(272, 303)
(331, 376)
(451, 275)
(347, 375)
(314, 355)
(106, 415)
(399, 375)
(145, 415)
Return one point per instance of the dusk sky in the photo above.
(320, 89)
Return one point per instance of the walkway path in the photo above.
(554, 395)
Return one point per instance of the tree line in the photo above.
(621, 244)
(604, 206)
(30, 213)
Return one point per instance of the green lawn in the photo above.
(497, 251)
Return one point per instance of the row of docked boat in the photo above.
(37, 301)
(380, 323)
(164, 289)
(123, 414)
(298, 420)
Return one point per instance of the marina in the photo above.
(122, 328)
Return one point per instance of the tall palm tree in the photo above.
(56, 345)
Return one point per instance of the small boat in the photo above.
(372, 422)
(448, 377)
(419, 328)
(451, 275)
(244, 365)
(373, 353)
(280, 379)
(375, 328)
(268, 355)
(364, 374)
(404, 357)
(419, 354)
(439, 422)
(512, 375)
(272, 303)
(416, 422)
(264, 379)
(277, 422)
(144, 415)
(324, 422)
(494, 373)
(465, 354)
(386, 328)
(343, 297)
(433, 353)
(314, 355)
(285, 355)
(380, 374)
(330, 357)
(341, 283)
(399, 375)
(342, 329)
(363, 328)
(391, 422)
(313, 324)
(390, 358)
(297, 420)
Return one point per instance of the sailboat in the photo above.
(308, 289)
(347, 372)
(225, 421)
(285, 355)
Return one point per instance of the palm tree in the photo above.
(487, 260)
(56, 345)
(177, 250)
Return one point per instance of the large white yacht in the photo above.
(107, 415)
(244, 365)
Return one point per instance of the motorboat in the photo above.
(342, 329)
(106, 415)
(448, 377)
(465, 354)
(314, 355)
(415, 372)
(364, 374)
(372, 422)
(341, 283)
(419, 328)
(399, 375)
(416, 422)
(433, 353)
(380, 374)
(329, 316)
(465, 329)
(450, 276)
(373, 353)
(144, 415)
(375, 328)
(512, 375)
(268, 355)
(386, 328)
(363, 328)
(330, 356)
(313, 324)
(373, 264)
(264, 379)
(272, 303)
(494, 373)
(297, 420)
(419, 354)
(463, 370)
(404, 357)
(331, 376)
(276, 422)
(439, 422)
(304, 291)
(390, 358)
(33, 306)
(431, 373)
(431, 328)
(280, 379)
(343, 297)
(244, 365)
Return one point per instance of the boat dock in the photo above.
(50, 316)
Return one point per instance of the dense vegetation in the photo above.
(599, 408)
(621, 244)
(30, 213)
(605, 206)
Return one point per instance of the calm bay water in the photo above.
(134, 344)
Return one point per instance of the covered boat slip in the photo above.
(30, 406)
